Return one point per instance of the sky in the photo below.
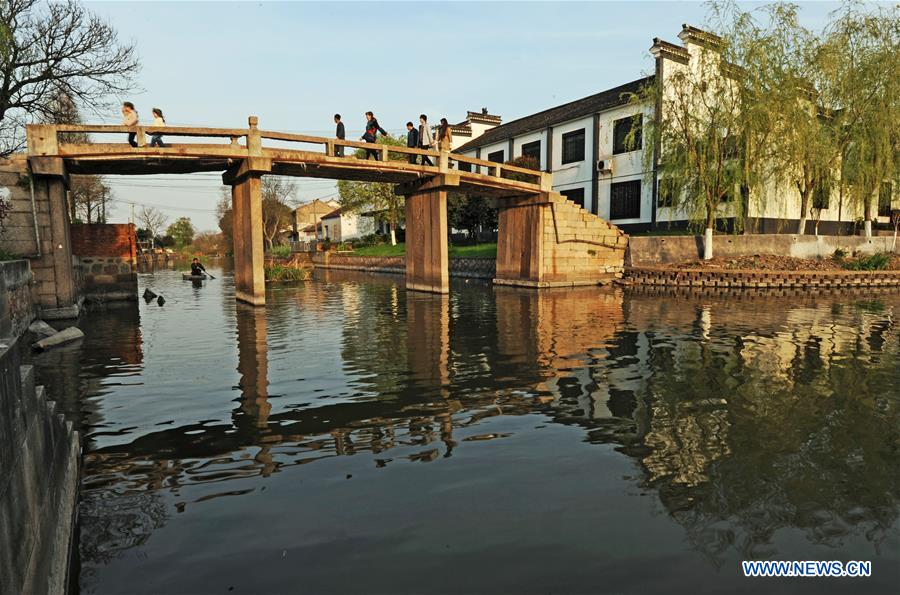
(295, 64)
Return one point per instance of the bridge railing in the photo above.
(44, 140)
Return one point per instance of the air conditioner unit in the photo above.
(604, 166)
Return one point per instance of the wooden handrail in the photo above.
(168, 130)
(337, 142)
(45, 142)
(503, 166)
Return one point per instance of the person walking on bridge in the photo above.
(371, 135)
(130, 118)
(412, 140)
(340, 134)
(445, 137)
(425, 140)
(158, 122)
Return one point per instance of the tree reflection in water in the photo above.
(746, 414)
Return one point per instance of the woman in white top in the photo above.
(158, 122)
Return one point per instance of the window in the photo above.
(884, 199)
(464, 166)
(625, 200)
(573, 146)
(576, 195)
(621, 129)
(532, 150)
(496, 156)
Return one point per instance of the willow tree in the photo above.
(782, 75)
(862, 76)
(48, 48)
(376, 197)
(699, 131)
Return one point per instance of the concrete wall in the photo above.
(654, 250)
(17, 300)
(39, 457)
(108, 257)
(472, 268)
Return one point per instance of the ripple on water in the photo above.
(495, 424)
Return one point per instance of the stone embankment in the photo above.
(39, 457)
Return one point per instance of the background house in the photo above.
(340, 226)
(583, 144)
(305, 217)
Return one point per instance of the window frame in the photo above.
(531, 146)
(564, 154)
(617, 124)
(613, 215)
(492, 156)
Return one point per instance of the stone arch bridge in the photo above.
(544, 240)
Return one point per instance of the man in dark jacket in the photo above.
(412, 140)
(371, 135)
(339, 133)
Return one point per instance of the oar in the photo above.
(208, 274)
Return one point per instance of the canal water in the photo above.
(352, 437)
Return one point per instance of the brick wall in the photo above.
(579, 246)
(549, 241)
(104, 239)
(108, 255)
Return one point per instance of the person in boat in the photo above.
(197, 269)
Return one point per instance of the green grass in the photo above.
(381, 250)
(4, 255)
(476, 251)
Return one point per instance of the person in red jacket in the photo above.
(371, 135)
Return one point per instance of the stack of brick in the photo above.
(579, 247)
(761, 279)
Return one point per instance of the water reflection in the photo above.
(746, 416)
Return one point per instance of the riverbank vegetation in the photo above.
(475, 251)
(286, 272)
(839, 261)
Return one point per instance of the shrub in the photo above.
(279, 272)
(838, 255)
(526, 163)
(875, 262)
(281, 251)
(373, 239)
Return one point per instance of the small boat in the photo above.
(188, 277)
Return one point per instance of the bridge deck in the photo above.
(48, 141)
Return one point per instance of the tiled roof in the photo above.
(556, 115)
(333, 214)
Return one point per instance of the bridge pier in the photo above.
(249, 258)
(52, 258)
(427, 263)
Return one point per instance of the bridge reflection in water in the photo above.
(748, 418)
